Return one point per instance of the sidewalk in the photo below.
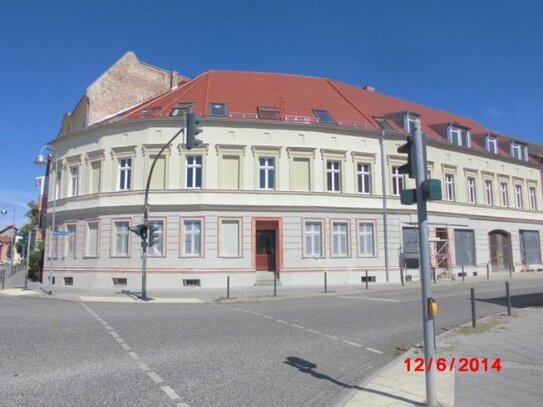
(515, 340)
(194, 295)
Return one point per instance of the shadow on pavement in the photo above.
(305, 366)
(517, 301)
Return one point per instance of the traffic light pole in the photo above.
(146, 218)
(424, 259)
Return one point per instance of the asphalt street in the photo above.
(283, 352)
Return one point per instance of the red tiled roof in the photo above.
(296, 96)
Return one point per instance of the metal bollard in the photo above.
(228, 287)
(473, 318)
(510, 271)
(462, 273)
(434, 274)
(275, 284)
(487, 271)
(366, 279)
(3, 272)
(325, 283)
(402, 277)
(508, 298)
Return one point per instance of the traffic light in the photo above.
(153, 234)
(411, 167)
(193, 130)
(431, 190)
(140, 230)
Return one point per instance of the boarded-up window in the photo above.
(464, 243)
(70, 241)
(530, 248)
(92, 239)
(229, 172)
(95, 173)
(410, 238)
(300, 174)
(158, 180)
(230, 239)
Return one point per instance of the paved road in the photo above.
(287, 352)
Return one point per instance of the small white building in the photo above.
(293, 177)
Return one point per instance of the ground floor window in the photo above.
(192, 238)
(313, 239)
(230, 238)
(158, 248)
(340, 239)
(530, 248)
(365, 239)
(91, 239)
(464, 242)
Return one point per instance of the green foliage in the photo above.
(32, 216)
(35, 264)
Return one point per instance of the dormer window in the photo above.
(323, 116)
(491, 144)
(181, 109)
(459, 136)
(519, 151)
(218, 109)
(408, 120)
(268, 113)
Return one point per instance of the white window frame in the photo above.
(363, 238)
(333, 171)
(459, 136)
(471, 190)
(338, 237)
(193, 235)
(122, 236)
(491, 144)
(532, 198)
(363, 178)
(519, 151)
(518, 196)
(74, 180)
(266, 168)
(313, 235)
(58, 185)
(124, 173)
(489, 194)
(504, 194)
(195, 167)
(397, 181)
(449, 187)
(408, 120)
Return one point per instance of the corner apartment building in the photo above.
(296, 176)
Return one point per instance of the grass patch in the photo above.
(481, 327)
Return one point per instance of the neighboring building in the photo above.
(289, 179)
(7, 236)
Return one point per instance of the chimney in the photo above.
(369, 88)
(174, 80)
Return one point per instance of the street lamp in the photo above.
(5, 212)
(44, 161)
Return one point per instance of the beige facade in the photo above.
(316, 191)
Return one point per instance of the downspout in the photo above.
(385, 212)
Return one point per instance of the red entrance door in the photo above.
(265, 250)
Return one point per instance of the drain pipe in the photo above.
(385, 212)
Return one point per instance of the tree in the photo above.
(32, 215)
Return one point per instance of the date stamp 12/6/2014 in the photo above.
(462, 364)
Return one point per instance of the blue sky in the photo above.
(481, 59)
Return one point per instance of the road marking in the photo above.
(352, 343)
(142, 365)
(170, 392)
(268, 317)
(281, 321)
(331, 336)
(352, 297)
(297, 326)
(374, 351)
(312, 331)
(154, 377)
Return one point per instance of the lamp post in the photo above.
(45, 160)
(5, 212)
